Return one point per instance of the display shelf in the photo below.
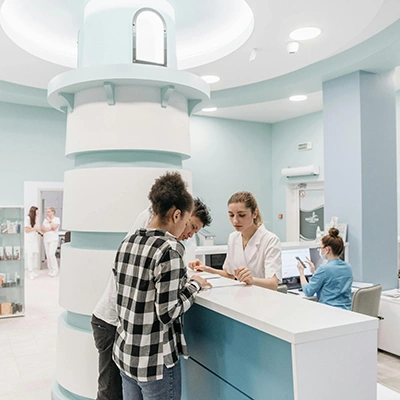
(12, 289)
(13, 315)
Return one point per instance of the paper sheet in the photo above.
(205, 275)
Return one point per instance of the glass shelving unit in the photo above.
(12, 276)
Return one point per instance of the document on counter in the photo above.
(225, 282)
(205, 275)
(394, 293)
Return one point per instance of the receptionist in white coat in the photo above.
(254, 253)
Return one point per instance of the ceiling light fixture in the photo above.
(209, 109)
(292, 47)
(253, 55)
(299, 97)
(211, 78)
(307, 33)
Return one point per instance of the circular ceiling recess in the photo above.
(206, 30)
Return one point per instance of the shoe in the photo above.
(53, 274)
(31, 275)
(35, 274)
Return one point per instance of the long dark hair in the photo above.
(32, 215)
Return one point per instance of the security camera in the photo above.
(292, 47)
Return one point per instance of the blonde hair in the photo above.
(249, 201)
(52, 209)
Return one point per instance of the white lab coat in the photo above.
(262, 255)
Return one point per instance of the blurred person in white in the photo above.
(50, 228)
(31, 241)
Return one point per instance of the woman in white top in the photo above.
(254, 253)
(31, 241)
(50, 229)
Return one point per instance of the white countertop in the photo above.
(392, 296)
(223, 248)
(283, 316)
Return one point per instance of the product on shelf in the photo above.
(5, 308)
(10, 227)
(1, 253)
(9, 252)
(6, 281)
(16, 252)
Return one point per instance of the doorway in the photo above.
(51, 198)
(33, 197)
(304, 210)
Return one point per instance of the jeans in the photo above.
(168, 388)
(109, 381)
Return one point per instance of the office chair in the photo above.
(366, 300)
(282, 288)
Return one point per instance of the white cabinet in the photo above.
(389, 327)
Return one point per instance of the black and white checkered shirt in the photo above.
(153, 292)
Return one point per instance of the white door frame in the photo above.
(293, 207)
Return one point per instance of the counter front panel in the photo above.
(237, 355)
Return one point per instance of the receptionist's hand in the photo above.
(311, 264)
(197, 265)
(243, 274)
(300, 267)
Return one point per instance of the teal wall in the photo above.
(230, 156)
(286, 135)
(32, 149)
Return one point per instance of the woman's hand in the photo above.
(197, 265)
(300, 267)
(203, 282)
(311, 264)
(243, 274)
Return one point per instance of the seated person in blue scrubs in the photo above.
(332, 281)
(254, 253)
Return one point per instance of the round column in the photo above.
(127, 124)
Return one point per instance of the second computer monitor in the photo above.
(289, 262)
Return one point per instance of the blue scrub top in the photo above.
(332, 284)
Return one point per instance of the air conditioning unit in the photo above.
(301, 171)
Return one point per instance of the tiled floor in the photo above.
(28, 344)
(389, 371)
(28, 348)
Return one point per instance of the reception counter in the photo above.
(246, 342)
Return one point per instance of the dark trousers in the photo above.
(109, 382)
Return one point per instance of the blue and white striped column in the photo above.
(127, 125)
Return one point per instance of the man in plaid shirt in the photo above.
(153, 291)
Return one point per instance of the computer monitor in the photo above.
(289, 262)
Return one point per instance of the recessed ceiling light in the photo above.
(307, 33)
(253, 55)
(209, 109)
(211, 78)
(299, 97)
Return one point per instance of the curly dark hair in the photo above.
(202, 212)
(167, 192)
